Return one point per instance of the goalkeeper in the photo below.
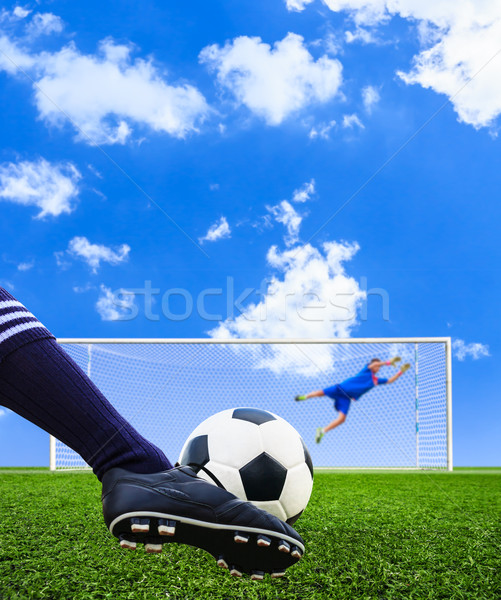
(352, 389)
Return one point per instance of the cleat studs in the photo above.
(166, 527)
(235, 572)
(284, 547)
(257, 575)
(263, 541)
(276, 574)
(127, 544)
(240, 538)
(139, 525)
(153, 548)
(222, 563)
(296, 552)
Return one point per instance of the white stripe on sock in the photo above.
(15, 315)
(9, 303)
(19, 329)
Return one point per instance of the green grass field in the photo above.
(368, 535)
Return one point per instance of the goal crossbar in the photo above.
(215, 341)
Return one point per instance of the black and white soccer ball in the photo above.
(256, 455)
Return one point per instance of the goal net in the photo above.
(165, 388)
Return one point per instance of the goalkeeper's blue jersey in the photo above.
(361, 383)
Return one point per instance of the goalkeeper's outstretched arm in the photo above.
(376, 364)
(403, 369)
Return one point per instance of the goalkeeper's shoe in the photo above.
(393, 361)
(319, 435)
(177, 506)
(299, 398)
(405, 367)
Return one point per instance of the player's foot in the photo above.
(177, 506)
(319, 434)
(299, 398)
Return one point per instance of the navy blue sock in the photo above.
(40, 382)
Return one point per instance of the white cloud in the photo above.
(457, 65)
(370, 97)
(45, 24)
(366, 12)
(94, 254)
(20, 12)
(106, 94)
(263, 222)
(331, 42)
(305, 192)
(311, 296)
(322, 130)
(4, 412)
(62, 259)
(13, 57)
(25, 266)
(8, 285)
(93, 170)
(297, 5)
(458, 40)
(474, 350)
(99, 193)
(114, 306)
(51, 187)
(369, 12)
(285, 214)
(81, 289)
(273, 82)
(361, 35)
(351, 121)
(217, 231)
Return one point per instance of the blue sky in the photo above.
(286, 147)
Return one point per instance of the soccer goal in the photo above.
(166, 387)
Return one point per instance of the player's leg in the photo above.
(40, 382)
(316, 394)
(144, 499)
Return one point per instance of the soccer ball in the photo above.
(256, 455)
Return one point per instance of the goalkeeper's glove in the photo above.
(405, 367)
(394, 360)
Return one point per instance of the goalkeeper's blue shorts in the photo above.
(341, 399)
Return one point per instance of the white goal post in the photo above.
(166, 387)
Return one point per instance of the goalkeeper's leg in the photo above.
(339, 420)
(342, 404)
(316, 394)
(321, 431)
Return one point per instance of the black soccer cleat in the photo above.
(177, 506)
